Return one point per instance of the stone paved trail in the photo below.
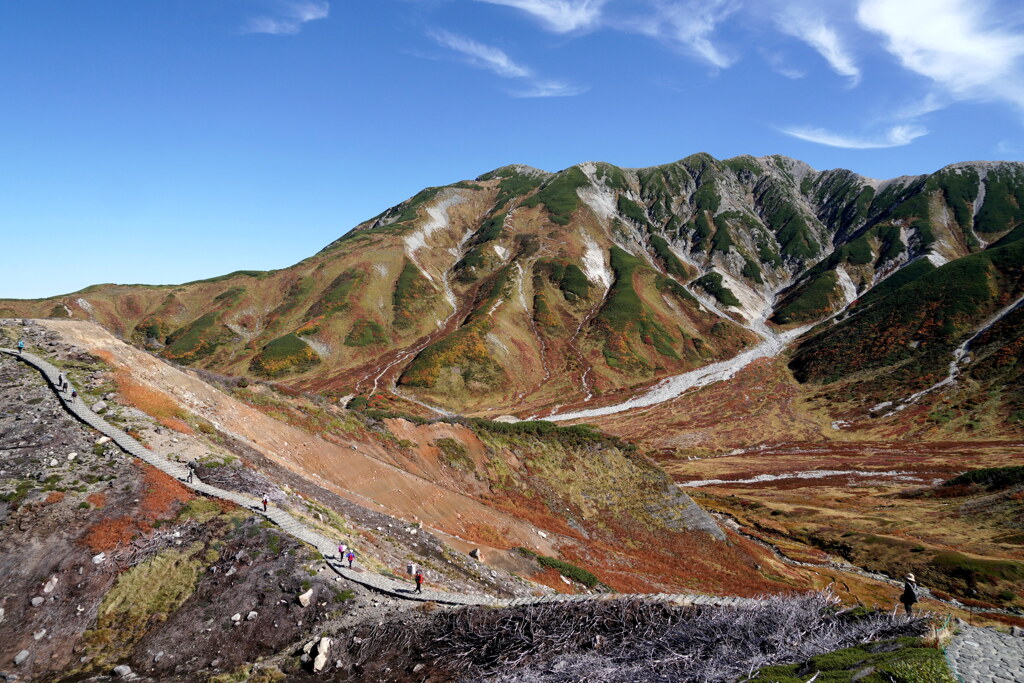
(984, 655)
(325, 545)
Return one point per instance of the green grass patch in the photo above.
(992, 478)
(902, 660)
(197, 340)
(284, 355)
(712, 284)
(454, 454)
(412, 295)
(810, 302)
(559, 195)
(569, 570)
(366, 333)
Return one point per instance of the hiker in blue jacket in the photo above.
(21, 346)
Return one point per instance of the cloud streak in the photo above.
(560, 16)
(958, 44)
(897, 136)
(815, 32)
(687, 26)
(497, 61)
(292, 16)
(480, 55)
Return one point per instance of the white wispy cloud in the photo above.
(497, 61)
(480, 55)
(897, 136)
(964, 46)
(687, 25)
(560, 16)
(551, 89)
(290, 17)
(813, 30)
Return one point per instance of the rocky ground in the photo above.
(105, 562)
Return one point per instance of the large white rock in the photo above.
(20, 657)
(50, 585)
(305, 598)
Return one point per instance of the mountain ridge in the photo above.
(522, 288)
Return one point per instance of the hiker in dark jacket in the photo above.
(909, 596)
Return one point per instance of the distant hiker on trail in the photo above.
(74, 394)
(419, 581)
(909, 596)
(265, 501)
(21, 346)
(60, 382)
(341, 551)
(351, 557)
(191, 470)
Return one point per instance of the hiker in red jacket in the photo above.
(419, 581)
(264, 501)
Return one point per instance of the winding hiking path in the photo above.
(326, 546)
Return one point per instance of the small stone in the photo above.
(320, 662)
(37, 601)
(236, 617)
(418, 668)
(53, 462)
(306, 597)
(158, 656)
(20, 657)
(99, 406)
(97, 559)
(308, 647)
(251, 615)
(122, 670)
(214, 664)
(50, 585)
(1, 615)
(102, 440)
(230, 571)
(38, 635)
(110, 397)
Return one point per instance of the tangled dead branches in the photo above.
(619, 640)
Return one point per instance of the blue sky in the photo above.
(161, 142)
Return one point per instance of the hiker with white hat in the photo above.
(909, 596)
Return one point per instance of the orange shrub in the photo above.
(54, 497)
(108, 534)
(97, 500)
(163, 495)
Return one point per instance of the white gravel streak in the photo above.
(812, 474)
(594, 264)
(437, 219)
(673, 387)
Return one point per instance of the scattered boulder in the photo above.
(1015, 630)
(99, 406)
(236, 617)
(1, 615)
(53, 462)
(72, 456)
(306, 597)
(102, 440)
(476, 554)
(38, 635)
(321, 654)
(251, 615)
(20, 657)
(50, 585)
(122, 671)
(37, 601)
(98, 559)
